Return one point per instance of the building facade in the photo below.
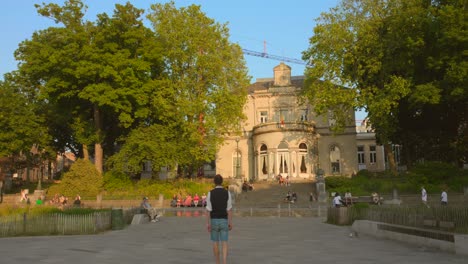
(283, 136)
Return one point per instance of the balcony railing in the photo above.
(284, 126)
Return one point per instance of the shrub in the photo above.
(116, 180)
(82, 179)
(364, 173)
(333, 182)
(433, 172)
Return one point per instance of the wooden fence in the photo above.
(447, 218)
(55, 224)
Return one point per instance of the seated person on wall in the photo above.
(196, 200)
(203, 200)
(174, 201)
(77, 202)
(179, 201)
(149, 210)
(348, 198)
(337, 202)
(376, 198)
(188, 201)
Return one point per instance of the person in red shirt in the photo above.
(196, 199)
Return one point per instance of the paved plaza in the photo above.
(253, 240)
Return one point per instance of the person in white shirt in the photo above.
(348, 198)
(444, 198)
(424, 196)
(337, 202)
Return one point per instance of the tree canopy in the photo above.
(94, 74)
(167, 94)
(200, 95)
(405, 63)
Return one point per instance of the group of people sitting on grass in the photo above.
(189, 201)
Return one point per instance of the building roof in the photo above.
(264, 84)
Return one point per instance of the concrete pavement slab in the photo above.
(253, 240)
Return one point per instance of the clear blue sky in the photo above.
(285, 26)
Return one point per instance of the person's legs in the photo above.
(215, 236)
(223, 237)
(220, 232)
(216, 251)
(225, 251)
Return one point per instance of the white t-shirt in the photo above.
(423, 195)
(443, 197)
(337, 200)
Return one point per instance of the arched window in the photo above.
(303, 148)
(264, 158)
(302, 156)
(283, 157)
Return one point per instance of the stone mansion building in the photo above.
(282, 135)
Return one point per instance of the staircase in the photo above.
(269, 194)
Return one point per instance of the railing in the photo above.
(55, 224)
(447, 218)
(291, 126)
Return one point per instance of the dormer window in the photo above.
(282, 75)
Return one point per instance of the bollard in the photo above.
(117, 220)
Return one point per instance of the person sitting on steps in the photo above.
(293, 197)
(245, 186)
(288, 197)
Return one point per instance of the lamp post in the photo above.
(237, 159)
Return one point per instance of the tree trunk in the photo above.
(98, 151)
(85, 152)
(391, 159)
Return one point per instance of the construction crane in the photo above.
(274, 57)
(264, 54)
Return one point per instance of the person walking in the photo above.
(219, 218)
(424, 196)
(444, 198)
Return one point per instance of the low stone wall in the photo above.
(446, 241)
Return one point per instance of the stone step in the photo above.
(271, 194)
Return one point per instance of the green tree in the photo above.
(82, 179)
(200, 96)
(94, 75)
(22, 126)
(404, 62)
